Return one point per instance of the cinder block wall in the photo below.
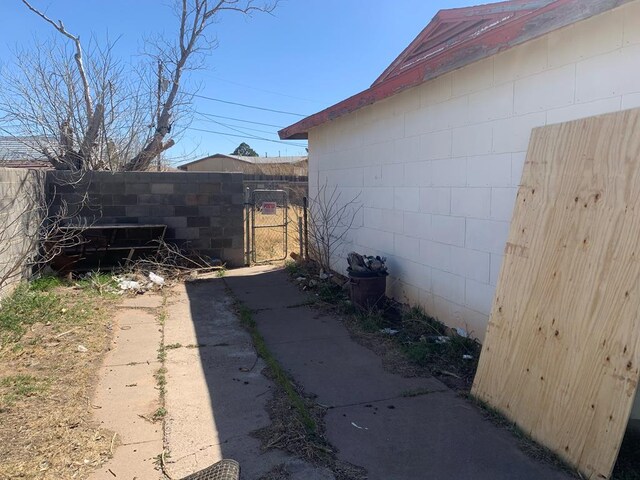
(204, 210)
(438, 165)
(21, 209)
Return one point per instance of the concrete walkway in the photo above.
(436, 435)
(215, 393)
(126, 391)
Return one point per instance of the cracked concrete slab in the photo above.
(126, 392)
(216, 394)
(374, 425)
(134, 461)
(320, 354)
(147, 300)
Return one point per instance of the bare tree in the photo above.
(42, 98)
(92, 112)
(331, 219)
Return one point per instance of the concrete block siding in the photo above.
(21, 211)
(204, 210)
(438, 166)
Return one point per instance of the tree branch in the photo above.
(78, 56)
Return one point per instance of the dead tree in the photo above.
(332, 218)
(96, 114)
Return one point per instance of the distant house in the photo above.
(220, 162)
(23, 152)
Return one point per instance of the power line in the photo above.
(253, 137)
(210, 120)
(236, 129)
(246, 106)
(238, 119)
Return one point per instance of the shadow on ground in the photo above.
(374, 419)
(216, 393)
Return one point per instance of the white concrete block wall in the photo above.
(438, 166)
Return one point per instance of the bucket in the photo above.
(367, 291)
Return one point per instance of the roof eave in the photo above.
(552, 17)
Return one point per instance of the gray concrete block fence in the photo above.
(201, 210)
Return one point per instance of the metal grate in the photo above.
(223, 470)
(269, 220)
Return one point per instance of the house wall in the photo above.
(219, 165)
(21, 209)
(234, 165)
(437, 167)
(204, 210)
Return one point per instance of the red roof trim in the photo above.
(529, 25)
(460, 24)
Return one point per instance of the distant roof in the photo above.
(458, 37)
(253, 160)
(22, 152)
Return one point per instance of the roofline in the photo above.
(233, 157)
(534, 24)
(193, 162)
(458, 14)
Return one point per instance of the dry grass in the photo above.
(46, 429)
(288, 433)
(269, 241)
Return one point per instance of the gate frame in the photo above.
(250, 201)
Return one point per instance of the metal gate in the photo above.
(269, 222)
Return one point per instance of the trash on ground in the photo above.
(467, 357)
(389, 331)
(462, 332)
(439, 339)
(125, 284)
(358, 426)
(82, 349)
(157, 279)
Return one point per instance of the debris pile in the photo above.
(138, 283)
(175, 263)
(366, 265)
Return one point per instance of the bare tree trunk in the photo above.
(86, 129)
(195, 17)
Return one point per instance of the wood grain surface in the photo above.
(562, 349)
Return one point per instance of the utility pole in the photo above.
(159, 98)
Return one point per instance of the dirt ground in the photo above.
(47, 379)
(270, 241)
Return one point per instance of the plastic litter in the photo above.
(358, 426)
(124, 284)
(467, 357)
(157, 279)
(389, 331)
(82, 349)
(440, 339)
(462, 332)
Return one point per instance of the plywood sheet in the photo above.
(562, 350)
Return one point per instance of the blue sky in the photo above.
(305, 57)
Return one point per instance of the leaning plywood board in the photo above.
(562, 349)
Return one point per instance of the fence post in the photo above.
(306, 228)
(300, 237)
(247, 227)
